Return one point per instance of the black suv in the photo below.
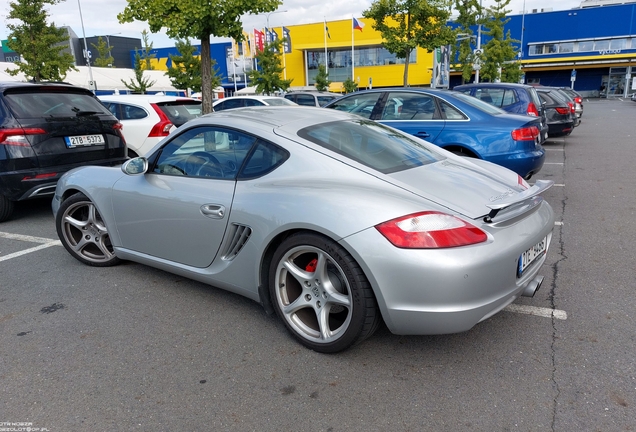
(46, 130)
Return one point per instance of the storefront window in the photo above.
(601, 45)
(618, 44)
(566, 47)
(586, 46)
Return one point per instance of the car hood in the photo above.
(460, 185)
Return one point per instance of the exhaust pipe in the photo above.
(532, 287)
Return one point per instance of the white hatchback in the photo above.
(249, 101)
(147, 119)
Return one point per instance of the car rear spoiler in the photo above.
(518, 203)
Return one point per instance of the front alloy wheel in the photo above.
(321, 293)
(83, 232)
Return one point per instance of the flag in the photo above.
(357, 25)
(273, 37)
(327, 30)
(287, 44)
(259, 40)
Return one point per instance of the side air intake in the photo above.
(238, 234)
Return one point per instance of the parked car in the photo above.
(46, 130)
(455, 121)
(510, 97)
(311, 98)
(316, 214)
(578, 100)
(148, 119)
(558, 112)
(248, 101)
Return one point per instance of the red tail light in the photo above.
(39, 176)
(572, 107)
(525, 134)
(532, 110)
(562, 110)
(162, 128)
(578, 99)
(524, 184)
(18, 136)
(430, 230)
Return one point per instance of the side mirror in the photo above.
(135, 166)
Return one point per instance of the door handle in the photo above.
(422, 135)
(214, 211)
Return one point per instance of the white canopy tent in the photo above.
(107, 79)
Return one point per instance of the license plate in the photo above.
(84, 140)
(531, 255)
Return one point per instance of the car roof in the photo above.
(144, 98)
(276, 116)
(491, 84)
(6, 85)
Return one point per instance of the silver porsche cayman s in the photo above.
(331, 220)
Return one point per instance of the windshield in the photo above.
(479, 104)
(372, 144)
(276, 101)
(180, 111)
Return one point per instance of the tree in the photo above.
(408, 24)
(105, 59)
(185, 72)
(146, 53)
(198, 19)
(322, 79)
(469, 12)
(40, 44)
(140, 83)
(268, 79)
(350, 85)
(500, 53)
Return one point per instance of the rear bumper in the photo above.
(525, 164)
(37, 183)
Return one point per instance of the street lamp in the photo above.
(271, 14)
(108, 43)
(87, 54)
(478, 52)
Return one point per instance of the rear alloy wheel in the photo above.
(6, 208)
(83, 232)
(322, 294)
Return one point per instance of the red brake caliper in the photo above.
(311, 267)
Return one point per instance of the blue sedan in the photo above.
(456, 122)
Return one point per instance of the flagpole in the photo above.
(326, 63)
(353, 74)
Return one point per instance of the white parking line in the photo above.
(558, 223)
(555, 149)
(538, 311)
(553, 163)
(33, 249)
(46, 243)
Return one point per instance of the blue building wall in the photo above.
(592, 67)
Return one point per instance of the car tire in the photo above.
(6, 208)
(83, 232)
(321, 293)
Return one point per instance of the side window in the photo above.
(229, 104)
(290, 97)
(252, 102)
(409, 106)
(450, 112)
(491, 96)
(358, 104)
(131, 112)
(114, 108)
(205, 151)
(509, 98)
(307, 100)
(265, 158)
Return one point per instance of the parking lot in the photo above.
(137, 349)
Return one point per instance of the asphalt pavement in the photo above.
(131, 348)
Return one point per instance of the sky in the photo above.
(101, 20)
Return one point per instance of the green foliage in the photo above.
(350, 85)
(469, 13)
(268, 79)
(500, 54)
(40, 44)
(406, 25)
(185, 72)
(198, 19)
(104, 59)
(140, 83)
(146, 53)
(322, 79)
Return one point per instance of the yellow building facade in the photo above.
(372, 66)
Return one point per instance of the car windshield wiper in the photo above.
(80, 113)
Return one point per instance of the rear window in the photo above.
(52, 103)
(179, 112)
(371, 144)
(479, 104)
(277, 101)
